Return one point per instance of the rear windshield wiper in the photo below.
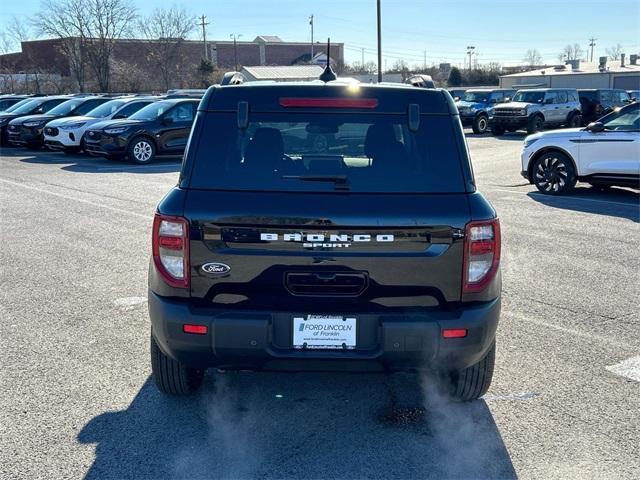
(341, 182)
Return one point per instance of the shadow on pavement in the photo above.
(270, 425)
(615, 202)
(86, 164)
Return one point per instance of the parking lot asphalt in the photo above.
(78, 402)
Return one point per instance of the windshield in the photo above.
(106, 109)
(151, 112)
(66, 107)
(11, 108)
(482, 97)
(328, 152)
(529, 97)
(26, 107)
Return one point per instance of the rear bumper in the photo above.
(262, 340)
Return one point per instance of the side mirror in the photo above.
(167, 120)
(595, 127)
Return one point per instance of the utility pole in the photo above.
(203, 23)
(235, 48)
(379, 45)
(311, 23)
(470, 50)
(592, 44)
(362, 58)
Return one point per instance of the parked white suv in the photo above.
(605, 153)
(66, 133)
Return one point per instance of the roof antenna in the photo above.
(328, 74)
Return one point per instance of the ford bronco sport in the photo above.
(325, 226)
(537, 108)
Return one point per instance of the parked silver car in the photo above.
(534, 109)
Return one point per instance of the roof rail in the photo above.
(233, 78)
(420, 80)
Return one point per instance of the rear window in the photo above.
(327, 152)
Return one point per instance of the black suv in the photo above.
(28, 130)
(7, 101)
(161, 128)
(371, 249)
(26, 107)
(598, 102)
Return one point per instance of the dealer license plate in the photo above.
(324, 331)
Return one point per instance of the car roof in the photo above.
(179, 100)
(267, 97)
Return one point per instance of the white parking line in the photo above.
(629, 368)
(75, 199)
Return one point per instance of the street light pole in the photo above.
(379, 45)
(311, 23)
(235, 48)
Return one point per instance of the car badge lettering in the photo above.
(215, 268)
(326, 240)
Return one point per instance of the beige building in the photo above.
(577, 74)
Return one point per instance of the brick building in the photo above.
(46, 57)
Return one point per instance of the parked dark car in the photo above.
(28, 130)
(161, 128)
(370, 251)
(27, 107)
(597, 102)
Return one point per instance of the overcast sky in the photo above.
(502, 31)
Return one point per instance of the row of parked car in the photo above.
(500, 110)
(136, 127)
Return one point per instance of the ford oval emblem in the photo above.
(215, 268)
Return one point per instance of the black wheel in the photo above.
(553, 173)
(480, 124)
(535, 124)
(472, 382)
(497, 129)
(575, 121)
(171, 376)
(141, 150)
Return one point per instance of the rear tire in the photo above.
(497, 130)
(535, 124)
(575, 121)
(480, 124)
(472, 382)
(173, 377)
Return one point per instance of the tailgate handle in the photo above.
(330, 284)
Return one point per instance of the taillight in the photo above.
(481, 254)
(171, 249)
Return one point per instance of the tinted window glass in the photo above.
(4, 104)
(497, 97)
(605, 96)
(529, 97)
(89, 105)
(561, 97)
(51, 104)
(27, 107)
(306, 152)
(153, 111)
(623, 96)
(131, 109)
(181, 113)
(18, 105)
(105, 109)
(476, 96)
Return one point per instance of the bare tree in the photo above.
(66, 20)
(19, 32)
(88, 30)
(614, 52)
(166, 30)
(571, 52)
(532, 58)
(108, 20)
